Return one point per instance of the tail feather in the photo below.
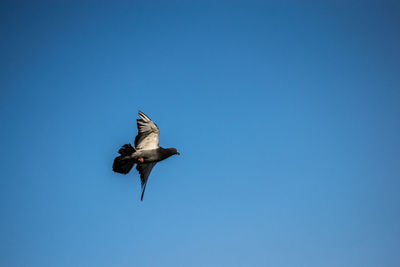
(123, 164)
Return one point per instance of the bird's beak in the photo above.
(178, 153)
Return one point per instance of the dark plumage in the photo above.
(146, 153)
(123, 164)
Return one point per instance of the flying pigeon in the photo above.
(146, 153)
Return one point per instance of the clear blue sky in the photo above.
(286, 116)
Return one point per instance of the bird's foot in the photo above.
(141, 160)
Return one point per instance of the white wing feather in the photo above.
(148, 136)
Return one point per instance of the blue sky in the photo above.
(286, 116)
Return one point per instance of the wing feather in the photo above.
(144, 169)
(148, 133)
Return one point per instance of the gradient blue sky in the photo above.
(286, 116)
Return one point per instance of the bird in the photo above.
(146, 152)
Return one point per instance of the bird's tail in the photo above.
(123, 164)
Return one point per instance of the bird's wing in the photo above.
(148, 133)
(144, 169)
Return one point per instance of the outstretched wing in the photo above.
(144, 169)
(148, 133)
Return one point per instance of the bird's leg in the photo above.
(141, 160)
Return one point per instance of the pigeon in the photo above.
(146, 153)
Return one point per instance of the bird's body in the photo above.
(147, 151)
(151, 155)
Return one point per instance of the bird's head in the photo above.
(174, 151)
(168, 152)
